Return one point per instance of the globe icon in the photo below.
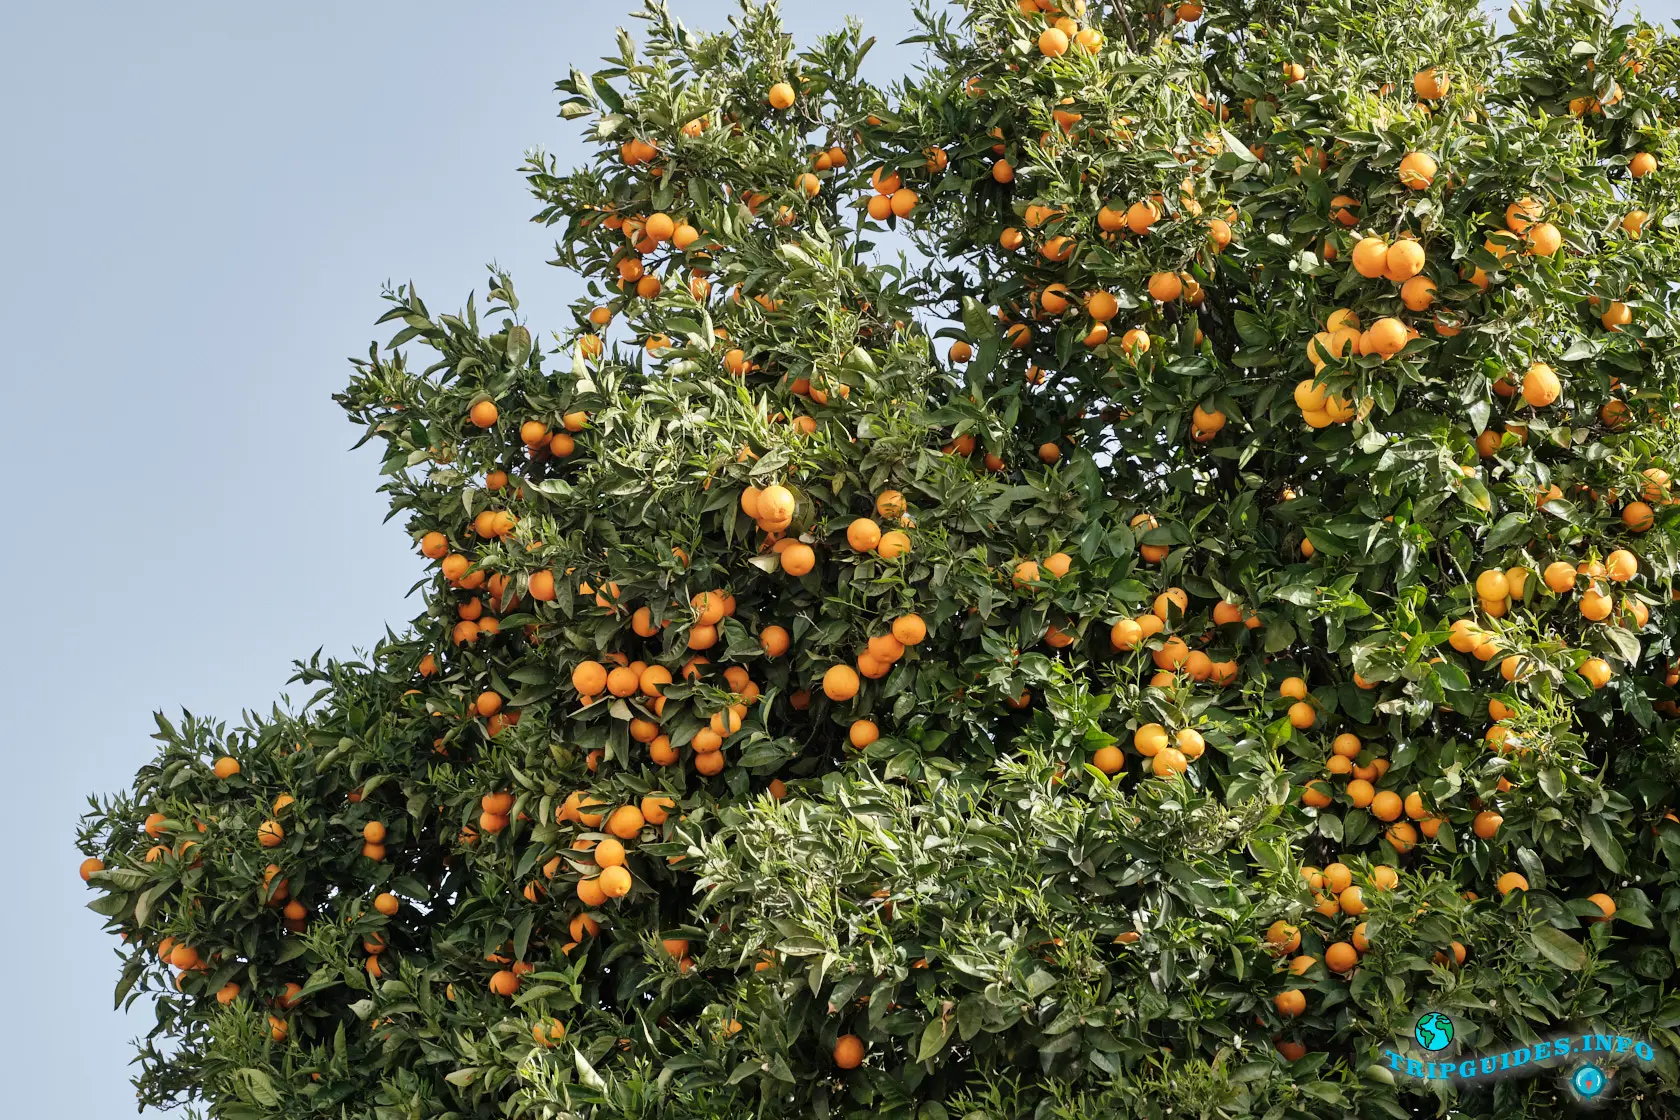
(1434, 1031)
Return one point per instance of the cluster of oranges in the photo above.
(1497, 590)
(882, 651)
(600, 863)
(1386, 805)
(1174, 654)
(591, 679)
(892, 199)
(1064, 32)
(1168, 753)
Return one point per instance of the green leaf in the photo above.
(255, 1085)
(586, 1072)
(1559, 948)
(144, 905)
(1598, 837)
(933, 1039)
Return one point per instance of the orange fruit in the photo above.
(625, 822)
(1403, 261)
(1560, 576)
(1370, 257)
(1150, 739)
(1544, 239)
(1290, 1003)
(1430, 84)
(1282, 937)
(615, 881)
(589, 678)
(1540, 385)
(894, 543)
(1417, 170)
(863, 534)
(848, 1051)
(840, 683)
(798, 560)
(1638, 516)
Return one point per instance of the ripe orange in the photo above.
(863, 534)
(1165, 286)
(589, 678)
(1370, 257)
(1340, 956)
(774, 641)
(798, 560)
(1168, 761)
(848, 1051)
(1544, 239)
(781, 96)
(1417, 170)
(1387, 337)
(1140, 216)
(1403, 261)
(1486, 824)
(625, 822)
(1540, 385)
(1430, 84)
(909, 629)
(616, 881)
(840, 683)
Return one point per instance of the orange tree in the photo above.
(1130, 654)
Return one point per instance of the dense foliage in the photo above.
(1103, 579)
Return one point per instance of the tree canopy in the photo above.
(1104, 578)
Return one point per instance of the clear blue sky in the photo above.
(200, 203)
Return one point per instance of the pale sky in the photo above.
(199, 203)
